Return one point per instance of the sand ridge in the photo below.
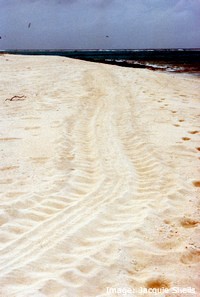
(99, 178)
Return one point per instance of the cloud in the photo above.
(86, 23)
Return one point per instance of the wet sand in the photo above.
(99, 179)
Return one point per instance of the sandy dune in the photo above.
(99, 179)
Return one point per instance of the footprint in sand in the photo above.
(193, 132)
(186, 138)
(188, 223)
(181, 120)
(192, 256)
(158, 283)
(196, 183)
(198, 149)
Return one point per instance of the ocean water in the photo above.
(168, 60)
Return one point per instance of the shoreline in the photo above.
(166, 60)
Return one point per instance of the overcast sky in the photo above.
(94, 24)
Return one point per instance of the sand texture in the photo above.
(99, 179)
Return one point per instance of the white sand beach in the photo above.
(99, 179)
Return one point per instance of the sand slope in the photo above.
(99, 178)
